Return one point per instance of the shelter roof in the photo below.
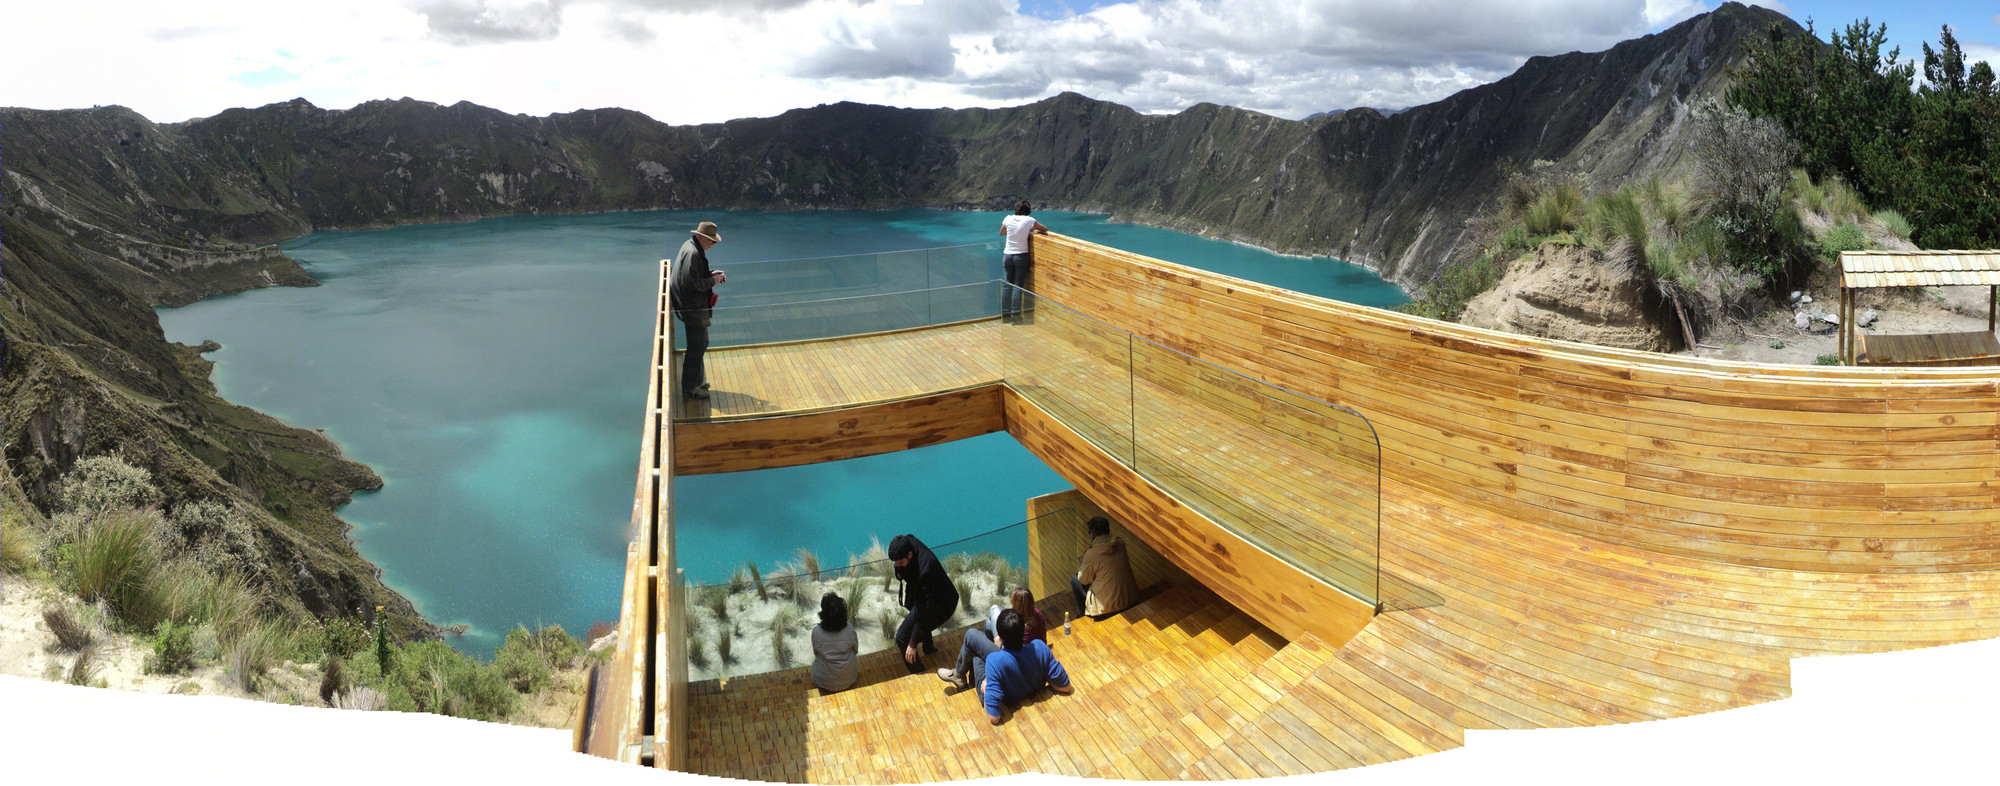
(1866, 269)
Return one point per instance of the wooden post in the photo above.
(1846, 325)
(1992, 305)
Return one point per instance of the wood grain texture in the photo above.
(1685, 456)
(707, 447)
(1266, 587)
(1056, 545)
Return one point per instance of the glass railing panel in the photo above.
(1297, 476)
(854, 275)
(1076, 368)
(738, 325)
(760, 618)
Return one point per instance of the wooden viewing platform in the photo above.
(1570, 535)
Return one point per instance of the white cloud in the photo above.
(690, 61)
(491, 21)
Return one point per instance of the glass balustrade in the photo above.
(1295, 475)
(760, 618)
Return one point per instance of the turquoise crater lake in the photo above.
(494, 374)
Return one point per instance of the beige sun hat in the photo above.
(707, 230)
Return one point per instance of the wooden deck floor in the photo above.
(1494, 624)
(1532, 628)
(811, 376)
(1536, 629)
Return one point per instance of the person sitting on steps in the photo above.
(927, 592)
(1010, 672)
(1103, 583)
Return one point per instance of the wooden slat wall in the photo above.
(702, 448)
(1267, 588)
(1818, 468)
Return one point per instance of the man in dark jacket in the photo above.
(693, 299)
(927, 592)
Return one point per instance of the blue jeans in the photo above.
(1014, 298)
(972, 655)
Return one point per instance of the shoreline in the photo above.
(347, 527)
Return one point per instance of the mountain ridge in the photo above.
(108, 213)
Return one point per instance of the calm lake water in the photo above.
(494, 374)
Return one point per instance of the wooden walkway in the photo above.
(1532, 628)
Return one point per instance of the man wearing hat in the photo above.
(694, 303)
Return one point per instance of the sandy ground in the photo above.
(1939, 310)
(752, 620)
(27, 649)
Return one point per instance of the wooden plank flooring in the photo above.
(1496, 623)
(798, 377)
(1536, 628)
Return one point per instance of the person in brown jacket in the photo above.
(1103, 583)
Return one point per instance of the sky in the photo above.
(704, 61)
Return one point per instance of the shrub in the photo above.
(808, 563)
(1845, 237)
(72, 635)
(1811, 196)
(256, 652)
(338, 638)
(114, 560)
(757, 578)
(1894, 222)
(521, 662)
(333, 680)
(1554, 211)
(182, 589)
(444, 681)
(965, 594)
(716, 600)
(1844, 202)
(83, 670)
(1740, 179)
(1456, 284)
(1827, 360)
(214, 536)
(173, 649)
(101, 484)
(363, 698)
(725, 640)
(1617, 220)
(697, 645)
(1668, 204)
(783, 623)
(233, 606)
(382, 656)
(17, 545)
(1777, 343)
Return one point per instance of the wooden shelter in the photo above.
(1872, 269)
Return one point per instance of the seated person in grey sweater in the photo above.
(835, 646)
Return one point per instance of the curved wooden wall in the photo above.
(1814, 468)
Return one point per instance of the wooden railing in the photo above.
(1816, 468)
(637, 709)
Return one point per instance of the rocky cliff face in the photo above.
(106, 213)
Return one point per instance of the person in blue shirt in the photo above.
(1014, 671)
